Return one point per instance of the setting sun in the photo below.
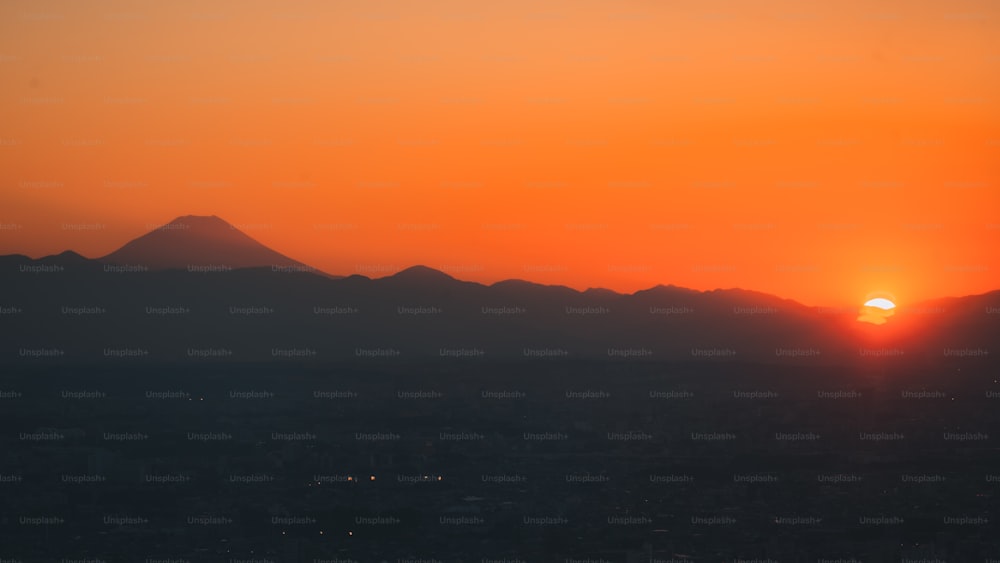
(880, 303)
(877, 309)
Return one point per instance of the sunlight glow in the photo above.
(881, 303)
(877, 310)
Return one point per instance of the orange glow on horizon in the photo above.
(814, 152)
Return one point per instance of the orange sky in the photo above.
(818, 151)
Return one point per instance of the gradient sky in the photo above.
(820, 151)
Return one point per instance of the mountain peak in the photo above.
(421, 273)
(65, 257)
(198, 240)
(669, 289)
(202, 221)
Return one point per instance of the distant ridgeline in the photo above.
(197, 289)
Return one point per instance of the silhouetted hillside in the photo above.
(141, 303)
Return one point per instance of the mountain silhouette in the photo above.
(194, 240)
(421, 275)
(84, 306)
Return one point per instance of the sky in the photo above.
(820, 151)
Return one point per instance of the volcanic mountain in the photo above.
(198, 240)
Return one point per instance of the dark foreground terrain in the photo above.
(469, 460)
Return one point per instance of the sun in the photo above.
(881, 303)
(877, 309)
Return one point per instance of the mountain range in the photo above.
(198, 289)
